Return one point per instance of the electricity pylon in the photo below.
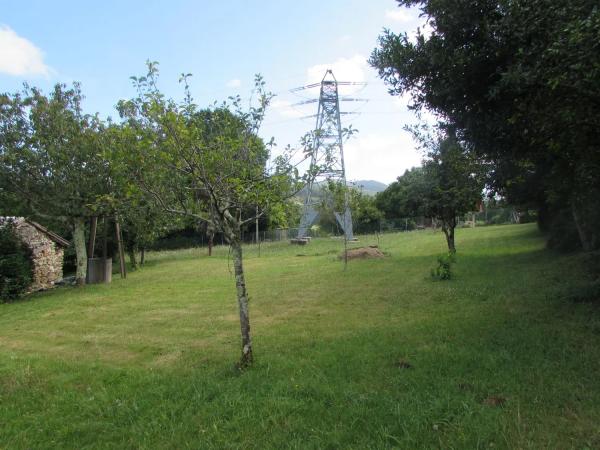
(327, 158)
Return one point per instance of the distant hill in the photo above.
(370, 187)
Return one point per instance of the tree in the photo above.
(453, 182)
(207, 163)
(404, 197)
(333, 195)
(520, 82)
(447, 186)
(142, 221)
(51, 159)
(366, 214)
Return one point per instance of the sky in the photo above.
(223, 44)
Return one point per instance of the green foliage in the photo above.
(51, 154)
(449, 184)
(453, 179)
(519, 80)
(284, 214)
(53, 159)
(404, 197)
(443, 271)
(207, 163)
(16, 267)
(366, 216)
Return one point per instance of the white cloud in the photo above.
(285, 109)
(381, 157)
(18, 56)
(235, 83)
(344, 69)
(400, 15)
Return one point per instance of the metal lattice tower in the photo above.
(328, 154)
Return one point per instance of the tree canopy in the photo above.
(453, 183)
(52, 159)
(404, 197)
(520, 81)
(447, 186)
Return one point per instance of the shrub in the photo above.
(16, 267)
(444, 269)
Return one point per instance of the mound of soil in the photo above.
(364, 253)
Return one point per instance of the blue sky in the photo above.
(223, 44)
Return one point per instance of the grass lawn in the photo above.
(377, 356)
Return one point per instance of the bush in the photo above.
(444, 269)
(16, 267)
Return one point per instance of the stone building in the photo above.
(47, 250)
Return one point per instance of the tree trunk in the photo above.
(210, 244)
(132, 259)
(119, 237)
(242, 296)
(586, 219)
(80, 250)
(448, 229)
(92, 240)
(142, 256)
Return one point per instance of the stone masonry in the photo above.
(47, 251)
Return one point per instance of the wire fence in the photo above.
(490, 216)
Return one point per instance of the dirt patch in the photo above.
(364, 253)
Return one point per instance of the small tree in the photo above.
(208, 164)
(453, 182)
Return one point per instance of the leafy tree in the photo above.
(520, 82)
(285, 214)
(142, 221)
(453, 182)
(447, 186)
(333, 196)
(51, 159)
(366, 215)
(404, 197)
(205, 163)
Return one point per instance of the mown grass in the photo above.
(377, 356)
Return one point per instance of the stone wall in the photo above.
(46, 254)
